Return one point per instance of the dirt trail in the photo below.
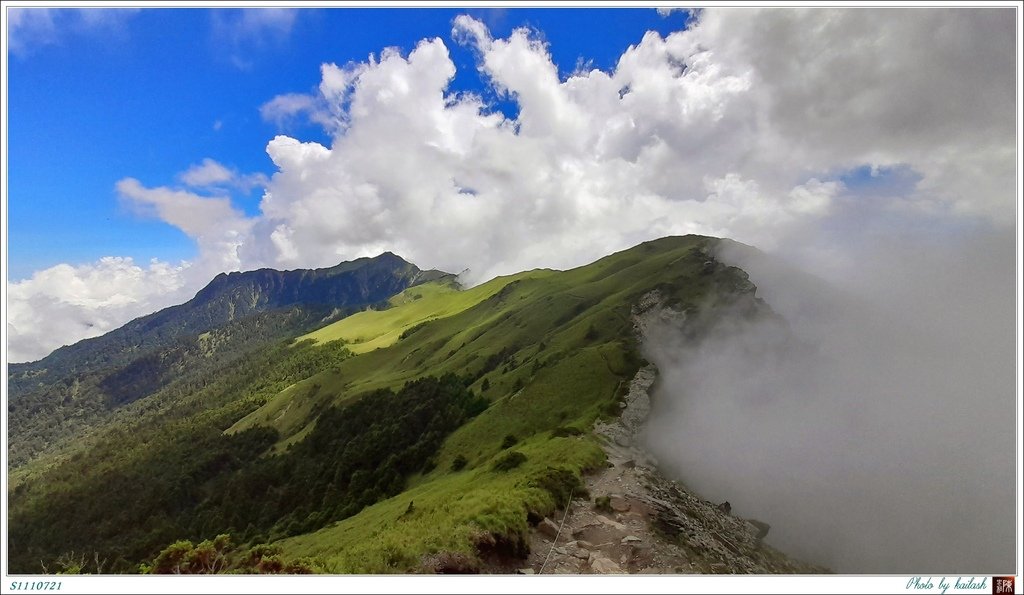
(613, 539)
(650, 525)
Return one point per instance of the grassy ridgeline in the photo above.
(550, 349)
(546, 349)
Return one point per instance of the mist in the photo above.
(872, 423)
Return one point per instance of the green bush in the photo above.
(560, 482)
(509, 461)
(565, 431)
(459, 463)
(220, 556)
(509, 442)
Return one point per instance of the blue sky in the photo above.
(150, 93)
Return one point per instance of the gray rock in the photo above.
(548, 527)
(579, 553)
(618, 503)
(573, 549)
(525, 571)
(613, 524)
(603, 565)
(630, 539)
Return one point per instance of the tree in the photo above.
(172, 560)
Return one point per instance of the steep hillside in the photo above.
(77, 385)
(428, 436)
(553, 351)
(374, 329)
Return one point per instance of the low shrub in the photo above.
(565, 431)
(509, 461)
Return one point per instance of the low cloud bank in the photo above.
(873, 428)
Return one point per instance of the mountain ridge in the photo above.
(439, 444)
(227, 281)
(136, 359)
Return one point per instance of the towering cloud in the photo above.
(767, 126)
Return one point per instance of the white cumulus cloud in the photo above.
(207, 173)
(211, 174)
(64, 304)
(747, 125)
(216, 226)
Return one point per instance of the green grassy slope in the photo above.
(374, 329)
(468, 511)
(557, 334)
(549, 351)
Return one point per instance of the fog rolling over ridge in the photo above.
(874, 427)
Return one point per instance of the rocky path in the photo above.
(616, 537)
(635, 521)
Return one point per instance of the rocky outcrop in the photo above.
(636, 406)
(646, 523)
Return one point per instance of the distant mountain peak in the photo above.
(232, 296)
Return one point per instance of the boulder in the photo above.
(618, 503)
(602, 565)
(613, 524)
(579, 553)
(548, 527)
